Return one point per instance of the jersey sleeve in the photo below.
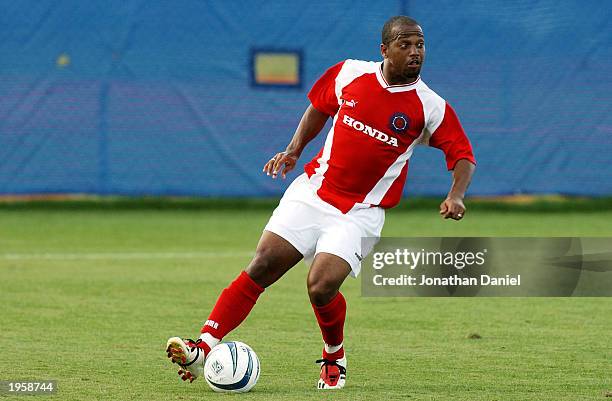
(451, 139)
(322, 95)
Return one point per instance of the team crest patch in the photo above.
(399, 123)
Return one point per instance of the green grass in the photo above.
(89, 298)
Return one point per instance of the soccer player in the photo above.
(380, 111)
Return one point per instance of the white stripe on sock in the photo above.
(209, 340)
(330, 349)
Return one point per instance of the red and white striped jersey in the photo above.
(375, 128)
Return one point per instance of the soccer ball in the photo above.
(231, 367)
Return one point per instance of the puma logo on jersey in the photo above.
(350, 103)
(373, 132)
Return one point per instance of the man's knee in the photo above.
(261, 267)
(320, 290)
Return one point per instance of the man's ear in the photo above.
(383, 50)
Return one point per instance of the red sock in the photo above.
(233, 306)
(331, 321)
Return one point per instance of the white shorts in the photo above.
(312, 226)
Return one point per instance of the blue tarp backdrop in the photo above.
(147, 97)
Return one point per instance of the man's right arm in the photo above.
(311, 124)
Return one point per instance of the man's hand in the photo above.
(284, 160)
(452, 208)
(311, 124)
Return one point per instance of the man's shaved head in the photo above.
(398, 20)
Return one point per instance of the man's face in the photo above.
(405, 53)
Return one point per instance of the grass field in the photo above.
(89, 298)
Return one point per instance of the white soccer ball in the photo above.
(231, 367)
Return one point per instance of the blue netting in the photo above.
(155, 97)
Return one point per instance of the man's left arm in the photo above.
(451, 139)
(452, 207)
